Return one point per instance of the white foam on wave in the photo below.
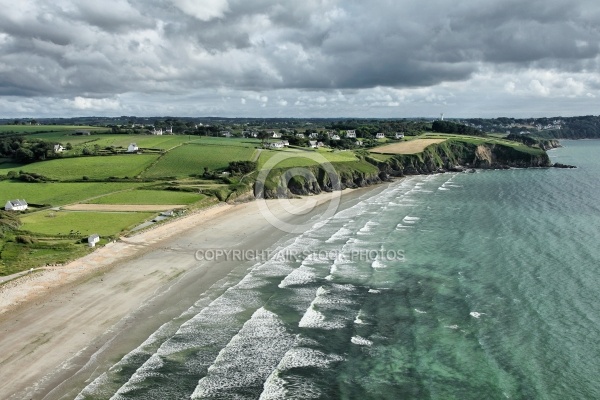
(253, 353)
(361, 341)
(342, 234)
(312, 319)
(377, 264)
(451, 327)
(375, 291)
(328, 300)
(410, 220)
(443, 188)
(277, 386)
(401, 227)
(358, 320)
(368, 228)
(300, 276)
(476, 314)
(420, 312)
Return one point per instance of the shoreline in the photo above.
(63, 325)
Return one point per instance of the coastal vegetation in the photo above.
(87, 179)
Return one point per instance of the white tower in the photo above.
(441, 116)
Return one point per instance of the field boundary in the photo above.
(122, 207)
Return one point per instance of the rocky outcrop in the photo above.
(461, 156)
(451, 155)
(304, 181)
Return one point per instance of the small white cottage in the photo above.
(132, 148)
(16, 205)
(93, 239)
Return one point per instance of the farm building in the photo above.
(399, 135)
(276, 145)
(132, 148)
(16, 205)
(93, 239)
(351, 134)
(58, 148)
(380, 135)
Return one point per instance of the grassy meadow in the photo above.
(99, 167)
(61, 193)
(57, 223)
(149, 197)
(191, 159)
(295, 157)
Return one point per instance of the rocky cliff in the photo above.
(457, 155)
(451, 155)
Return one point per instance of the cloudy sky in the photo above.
(299, 58)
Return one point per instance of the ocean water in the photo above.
(454, 286)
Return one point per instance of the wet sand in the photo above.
(61, 327)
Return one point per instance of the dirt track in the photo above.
(410, 147)
(122, 207)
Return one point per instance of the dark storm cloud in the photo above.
(69, 48)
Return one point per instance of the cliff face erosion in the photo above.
(450, 155)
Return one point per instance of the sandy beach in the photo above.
(61, 326)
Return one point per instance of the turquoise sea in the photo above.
(478, 285)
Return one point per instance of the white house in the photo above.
(300, 135)
(335, 137)
(276, 135)
(285, 143)
(313, 144)
(276, 145)
(58, 148)
(158, 132)
(399, 135)
(93, 239)
(351, 134)
(226, 134)
(320, 144)
(16, 205)
(380, 135)
(169, 130)
(314, 135)
(132, 148)
(359, 143)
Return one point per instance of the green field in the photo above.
(483, 140)
(59, 193)
(100, 167)
(17, 257)
(62, 222)
(149, 197)
(193, 158)
(304, 158)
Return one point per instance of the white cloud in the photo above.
(327, 57)
(83, 103)
(204, 10)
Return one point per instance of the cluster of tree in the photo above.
(453, 127)
(586, 127)
(25, 150)
(242, 167)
